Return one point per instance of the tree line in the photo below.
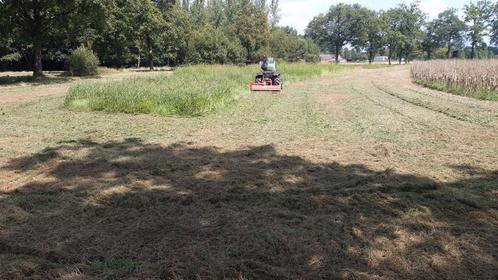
(404, 33)
(42, 33)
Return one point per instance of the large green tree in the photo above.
(125, 32)
(116, 44)
(340, 26)
(450, 29)
(287, 45)
(175, 38)
(432, 39)
(253, 30)
(494, 26)
(36, 21)
(478, 16)
(149, 24)
(274, 13)
(373, 33)
(404, 32)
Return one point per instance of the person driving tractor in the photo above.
(269, 73)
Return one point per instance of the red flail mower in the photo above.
(267, 85)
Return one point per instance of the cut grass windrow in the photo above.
(423, 104)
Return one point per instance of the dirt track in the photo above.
(355, 175)
(26, 92)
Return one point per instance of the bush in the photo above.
(83, 62)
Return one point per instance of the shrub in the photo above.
(83, 62)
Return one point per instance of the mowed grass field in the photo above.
(357, 174)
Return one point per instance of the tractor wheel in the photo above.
(277, 81)
(259, 79)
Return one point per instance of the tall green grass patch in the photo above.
(190, 91)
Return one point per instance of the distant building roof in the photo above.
(329, 57)
(381, 58)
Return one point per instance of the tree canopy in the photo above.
(340, 26)
(158, 32)
(42, 34)
(478, 16)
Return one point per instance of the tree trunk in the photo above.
(151, 60)
(37, 58)
(473, 52)
(389, 56)
(449, 50)
(370, 56)
(337, 50)
(151, 57)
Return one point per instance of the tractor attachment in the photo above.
(265, 86)
(267, 81)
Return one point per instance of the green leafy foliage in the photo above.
(287, 45)
(450, 30)
(403, 31)
(340, 26)
(478, 16)
(131, 33)
(211, 45)
(83, 62)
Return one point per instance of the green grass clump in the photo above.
(460, 90)
(190, 91)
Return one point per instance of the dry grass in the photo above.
(475, 78)
(320, 182)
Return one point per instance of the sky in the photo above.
(298, 13)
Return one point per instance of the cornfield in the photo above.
(475, 78)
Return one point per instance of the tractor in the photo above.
(269, 79)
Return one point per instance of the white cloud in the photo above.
(433, 7)
(298, 14)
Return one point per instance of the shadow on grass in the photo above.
(135, 210)
(28, 79)
(168, 69)
(46, 80)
